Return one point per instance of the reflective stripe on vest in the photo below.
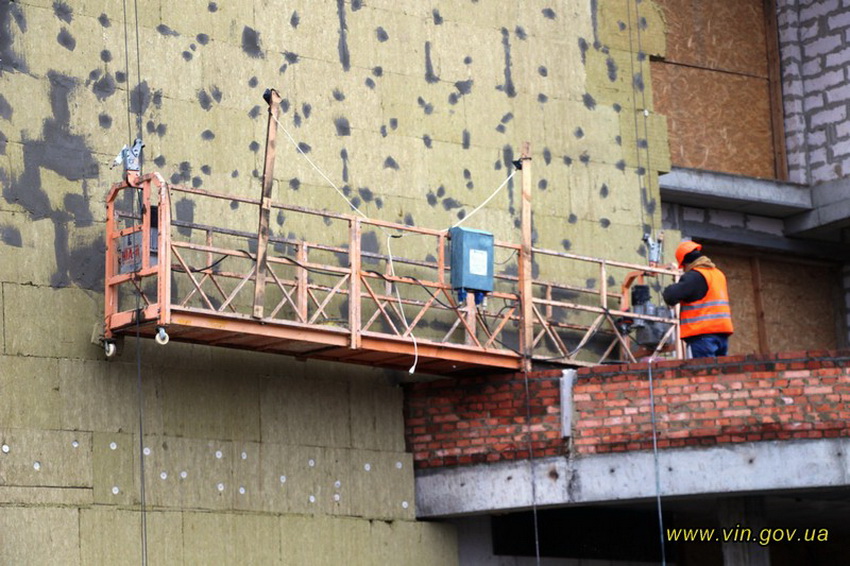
(711, 314)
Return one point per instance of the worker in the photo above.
(705, 319)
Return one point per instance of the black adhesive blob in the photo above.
(254, 112)
(104, 20)
(381, 34)
(284, 105)
(467, 139)
(212, 7)
(542, 98)
(204, 99)
(441, 191)
(390, 163)
(166, 31)
(184, 210)
(307, 110)
(207, 135)
(604, 222)
(383, 130)
(467, 174)
(11, 236)
(616, 107)
(430, 76)
(338, 95)
(426, 139)
(583, 47)
(508, 88)
(642, 143)
(542, 71)
(120, 77)
(62, 11)
(356, 5)
(549, 13)
(105, 121)
(507, 118)
(621, 165)
(584, 158)
(394, 123)
(542, 184)
(438, 19)
(187, 55)
(427, 107)
(547, 155)
(197, 182)
(450, 204)
(66, 40)
(578, 133)
(567, 160)
(294, 20)
(202, 38)
(369, 82)
(159, 160)
(641, 171)
(104, 88)
(106, 56)
(467, 60)
(618, 140)
(637, 82)
(378, 71)
(206, 169)
(408, 220)
(296, 119)
(253, 82)
(304, 147)
(251, 43)
(572, 219)
(612, 69)
(464, 87)
(366, 194)
(521, 33)
(254, 146)
(140, 98)
(234, 174)
(343, 128)
(566, 244)
(501, 128)
(589, 101)
(294, 183)
(290, 57)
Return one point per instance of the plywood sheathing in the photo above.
(718, 121)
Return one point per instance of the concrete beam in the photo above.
(831, 210)
(623, 477)
(707, 189)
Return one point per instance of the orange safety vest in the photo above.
(711, 314)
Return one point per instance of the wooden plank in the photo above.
(777, 110)
(265, 204)
(525, 283)
(758, 303)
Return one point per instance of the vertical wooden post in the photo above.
(525, 283)
(470, 319)
(164, 266)
(354, 283)
(755, 271)
(774, 81)
(302, 281)
(273, 100)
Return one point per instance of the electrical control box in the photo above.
(471, 262)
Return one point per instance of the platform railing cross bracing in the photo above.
(358, 290)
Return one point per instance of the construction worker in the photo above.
(706, 319)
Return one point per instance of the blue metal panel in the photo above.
(471, 259)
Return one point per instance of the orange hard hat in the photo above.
(684, 249)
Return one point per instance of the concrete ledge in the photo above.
(727, 469)
(831, 209)
(706, 189)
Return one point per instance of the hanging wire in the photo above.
(480, 206)
(140, 218)
(532, 467)
(656, 462)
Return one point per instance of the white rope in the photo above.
(401, 307)
(480, 206)
(319, 171)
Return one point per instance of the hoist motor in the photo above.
(471, 263)
(648, 332)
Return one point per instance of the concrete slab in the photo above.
(751, 467)
(732, 192)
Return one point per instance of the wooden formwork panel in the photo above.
(798, 303)
(727, 35)
(717, 121)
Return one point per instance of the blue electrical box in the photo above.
(471, 262)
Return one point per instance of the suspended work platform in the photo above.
(362, 291)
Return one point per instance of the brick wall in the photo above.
(483, 419)
(814, 41)
(698, 403)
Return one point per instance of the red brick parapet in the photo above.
(697, 402)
